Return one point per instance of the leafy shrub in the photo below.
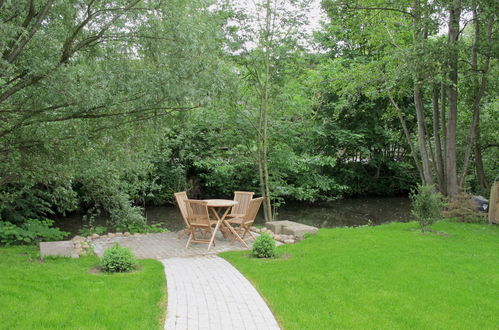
(89, 230)
(462, 208)
(427, 205)
(141, 228)
(118, 259)
(264, 247)
(30, 232)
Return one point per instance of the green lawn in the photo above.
(385, 277)
(60, 293)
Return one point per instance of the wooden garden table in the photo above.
(220, 208)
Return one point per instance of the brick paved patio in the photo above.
(164, 245)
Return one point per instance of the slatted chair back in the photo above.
(180, 198)
(197, 213)
(243, 198)
(253, 207)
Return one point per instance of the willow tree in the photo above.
(75, 75)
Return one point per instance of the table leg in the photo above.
(219, 222)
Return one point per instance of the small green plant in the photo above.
(89, 230)
(118, 259)
(427, 205)
(141, 228)
(30, 232)
(264, 247)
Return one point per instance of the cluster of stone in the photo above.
(82, 245)
(287, 232)
(286, 239)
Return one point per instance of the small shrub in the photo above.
(30, 232)
(141, 228)
(264, 247)
(89, 230)
(427, 205)
(118, 259)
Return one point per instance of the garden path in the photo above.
(204, 291)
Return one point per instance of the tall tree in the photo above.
(429, 59)
(265, 35)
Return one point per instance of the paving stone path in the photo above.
(207, 292)
(204, 291)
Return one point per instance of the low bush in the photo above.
(118, 259)
(427, 205)
(264, 247)
(89, 230)
(30, 232)
(141, 228)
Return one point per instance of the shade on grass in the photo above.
(60, 293)
(386, 277)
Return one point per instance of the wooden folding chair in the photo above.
(181, 197)
(246, 221)
(243, 198)
(199, 221)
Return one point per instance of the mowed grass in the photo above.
(385, 277)
(60, 293)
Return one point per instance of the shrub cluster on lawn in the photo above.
(427, 205)
(30, 232)
(264, 247)
(118, 259)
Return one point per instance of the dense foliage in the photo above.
(109, 106)
(30, 232)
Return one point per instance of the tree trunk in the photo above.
(443, 109)
(480, 173)
(451, 159)
(436, 135)
(418, 38)
(264, 109)
(478, 91)
(428, 179)
(407, 136)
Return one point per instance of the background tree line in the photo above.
(113, 105)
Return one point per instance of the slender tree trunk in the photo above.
(418, 37)
(436, 136)
(480, 173)
(443, 117)
(479, 90)
(264, 109)
(454, 16)
(407, 136)
(428, 179)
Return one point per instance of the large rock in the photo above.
(277, 226)
(61, 248)
(294, 229)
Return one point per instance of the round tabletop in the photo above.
(221, 202)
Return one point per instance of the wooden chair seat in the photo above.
(236, 215)
(237, 221)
